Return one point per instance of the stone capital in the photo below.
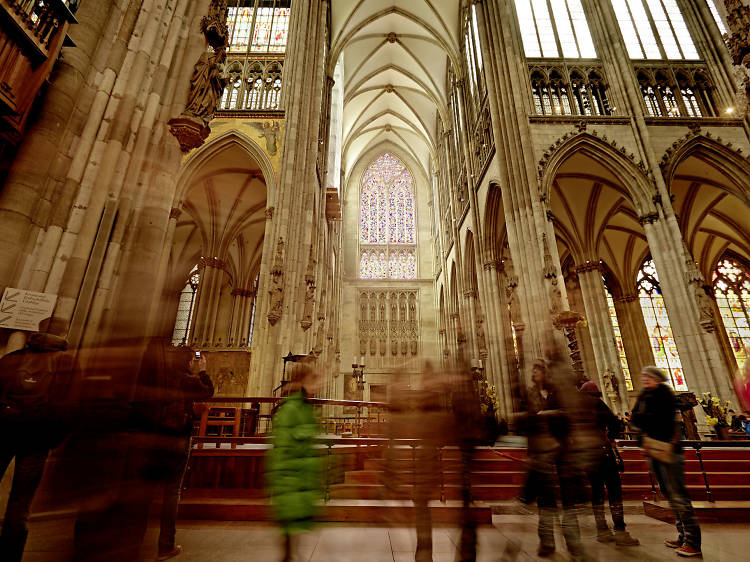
(649, 218)
(588, 267)
(175, 213)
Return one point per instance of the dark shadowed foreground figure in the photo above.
(294, 463)
(155, 452)
(656, 416)
(605, 471)
(35, 385)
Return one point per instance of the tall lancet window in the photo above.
(654, 29)
(554, 29)
(618, 337)
(387, 234)
(186, 309)
(732, 288)
(657, 324)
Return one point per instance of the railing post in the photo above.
(442, 476)
(327, 492)
(697, 447)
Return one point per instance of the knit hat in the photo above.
(655, 373)
(590, 387)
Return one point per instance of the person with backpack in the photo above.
(35, 408)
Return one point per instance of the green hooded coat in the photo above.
(294, 465)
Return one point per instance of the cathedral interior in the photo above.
(385, 194)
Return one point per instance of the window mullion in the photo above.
(553, 24)
(536, 28)
(635, 27)
(655, 30)
(573, 28)
(672, 29)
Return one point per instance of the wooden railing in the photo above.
(697, 446)
(237, 417)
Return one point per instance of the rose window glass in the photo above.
(732, 288)
(387, 233)
(657, 324)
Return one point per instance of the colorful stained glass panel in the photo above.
(659, 329)
(387, 217)
(618, 340)
(732, 289)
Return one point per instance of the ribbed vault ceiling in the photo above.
(395, 57)
(594, 219)
(223, 216)
(712, 219)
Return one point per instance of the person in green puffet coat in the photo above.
(294, 465)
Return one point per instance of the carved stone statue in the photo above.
(206, 86)
(555, 297)
(277, 285)
(705, 307)
(481, 339)
(214, 24)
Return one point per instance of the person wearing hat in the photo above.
(605, 471)
(657, 418)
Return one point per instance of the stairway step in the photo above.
(359, 511)
(708, 512)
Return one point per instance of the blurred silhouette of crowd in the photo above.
(122, 445)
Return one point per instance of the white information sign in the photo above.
(24, 310)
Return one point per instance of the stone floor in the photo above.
(511, 537)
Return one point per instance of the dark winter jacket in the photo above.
(655, 413)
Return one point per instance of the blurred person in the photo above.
(657, 417)
(543, 449)
(155, 449)
(293, 470)
(745, 424)
(472, 424)
(735, 424)
(419, 415)
(605, 472)
(35, 413)
(196, 387)
(574, 428)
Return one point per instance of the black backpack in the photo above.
(27, 383)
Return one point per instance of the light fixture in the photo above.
(729, 110)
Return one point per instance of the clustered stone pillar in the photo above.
(300, 201)
(602, 336)
(101, 131)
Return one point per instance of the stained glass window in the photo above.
(186, 309)
(639, 21)
(618, 338)
(265, 21)
(387, 233)
(551, 26)
(657, 324)
(732, 288)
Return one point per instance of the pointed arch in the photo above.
(724, 159)
(639, 187)
(202, 155)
